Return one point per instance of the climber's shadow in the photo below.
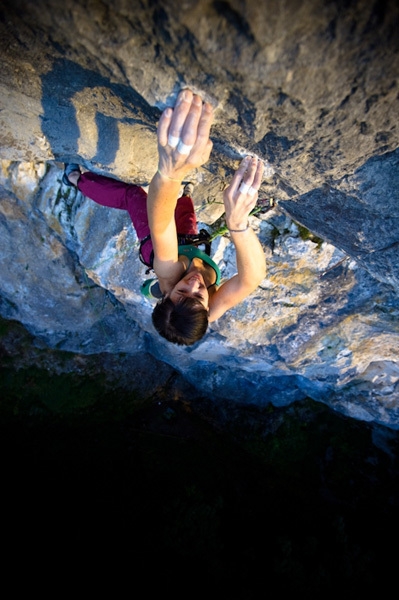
(63, 87)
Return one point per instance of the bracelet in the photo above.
(238, 230)
(167, 177)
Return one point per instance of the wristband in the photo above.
(238, 230)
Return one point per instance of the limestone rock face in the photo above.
(311, 87)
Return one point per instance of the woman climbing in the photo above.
(188, 278)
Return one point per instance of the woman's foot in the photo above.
(71, 174)
(188, 189)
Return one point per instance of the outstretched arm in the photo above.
(183, 145)
(239, 199)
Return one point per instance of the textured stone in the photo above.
(310, 87)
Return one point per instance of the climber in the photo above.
(188, 278)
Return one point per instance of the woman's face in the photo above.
(192, 285)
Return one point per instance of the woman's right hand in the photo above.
(241, 195)
(183, 135)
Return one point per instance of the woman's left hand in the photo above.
(241, 195)
(183, 135)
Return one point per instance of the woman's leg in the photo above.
(186, 221)
(117, 194)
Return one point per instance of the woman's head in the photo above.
(184, 322)
(191, 285)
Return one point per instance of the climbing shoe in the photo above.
(150, 289)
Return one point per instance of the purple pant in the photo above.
(117, 194)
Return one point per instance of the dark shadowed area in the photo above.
(264, 460)
(177, 490)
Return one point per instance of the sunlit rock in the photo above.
(310, 87)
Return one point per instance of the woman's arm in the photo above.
(183, 145)
(239, 199)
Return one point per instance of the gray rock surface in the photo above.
(311, 87)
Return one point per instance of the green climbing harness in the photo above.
(150, 288)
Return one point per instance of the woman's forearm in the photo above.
(250, 257)
(161, 202)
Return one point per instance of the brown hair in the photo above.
(183, 323)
